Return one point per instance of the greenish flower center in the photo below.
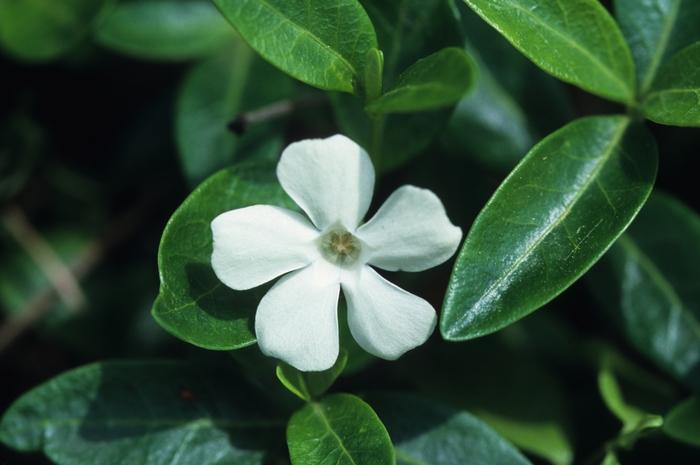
(340, 247)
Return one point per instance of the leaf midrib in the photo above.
(318, 411)
(661, 47)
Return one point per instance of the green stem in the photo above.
(377, 140)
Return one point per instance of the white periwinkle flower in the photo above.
(297, 320)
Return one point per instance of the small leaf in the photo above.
(683, 422)
(674, 98)
(341, 429)
(436, 81)
(656, 29)
(577, 41)
(164, 29)
(192, 303)
(140, 412)
(556, 214)
(323, 43)
(310, 385)
(428, 433)
(41, 30)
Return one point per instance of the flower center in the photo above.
(340, 247)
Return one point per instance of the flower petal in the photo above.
(254, 245)
(330, 179)
(297, 320)
(384, 319)
(409, 232)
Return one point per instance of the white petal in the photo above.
(410, 232)
(384, 319)
(297, 320)
(254, 245)
(330, 179)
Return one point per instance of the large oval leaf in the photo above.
(550, 220)
(655, 29)
(674, 98)
(649, 279)
(321, 42)
(164, 29)
(39, 30)
(192, 303)
(341, 429)
(576, 41)
(150, 413)
(427, 433)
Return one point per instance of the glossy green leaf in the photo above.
(576, 41)
(340, 429)
(655, 29)
(674, 97)
(555, 215)
(144, 412)
(323, 43)
(649, 282)
(192, 303)
(683, 422)
(164, 29)
(310, 385)
(428, 433)
(436, 81)
(40, 30)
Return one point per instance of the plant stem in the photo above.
(377, 140)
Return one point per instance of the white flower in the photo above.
(297, 320)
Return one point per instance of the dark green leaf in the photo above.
(655, 29)
(323, 43)
(649, 280)
(550, 220)
(341, 429)
(436, 81)
(164, 29)
(39, 30)
(576, 41)
(427, 433)
(193, 304)
(310, 385)
(674, 98)
(148, 413)
(683, 422)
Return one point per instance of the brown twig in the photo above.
(273, 111)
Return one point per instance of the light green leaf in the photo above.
(428, 433)
(649, 280)
(148, 413)
(655, 29)
(674, 97)
(683, 422)
(41, 30)
(610, 459)
(192, 303)
(555, 215)
(164, 29)
(323, 43)
(340, 429)
(310, 385)
(436, 81)
(576, 41)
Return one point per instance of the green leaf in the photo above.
(192, 303)
(428, 433)
(576, 41)
(648, 281)
(212, 94)
(140, 412)
(323, 43)
(683, 422)
(340, 429)
(436, 81)
(164, 29)
(655, 29)
(310, 385)
(674, 98)
(555, 215)
(42, 30)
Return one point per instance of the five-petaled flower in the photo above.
(297, 320)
